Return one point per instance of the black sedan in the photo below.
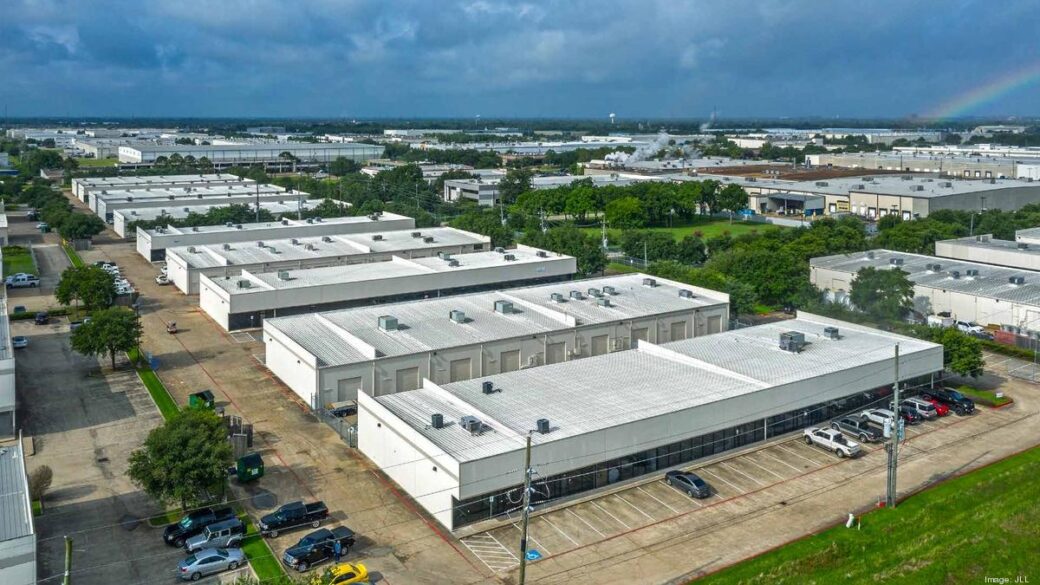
(691, 483)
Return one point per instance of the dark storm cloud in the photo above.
(500, 58)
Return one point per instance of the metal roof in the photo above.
(991, 282)
(603, 392)
(175, 211)
(116, 182)
(427, 327)
(287, 223)
(188, 193)
(15, 514)
(885, 184)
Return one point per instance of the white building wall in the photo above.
(178, 273)
(293, 365)
(1029, 260)
(18, 561)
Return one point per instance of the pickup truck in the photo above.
(856, 428)
(832, 441)
(22, 280)
(293, 515)
(956, 401)
(318, 546)
(194, 523)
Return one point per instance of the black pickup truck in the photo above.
(857, 428)
(194, 523)
(293, 515)
(318, 546)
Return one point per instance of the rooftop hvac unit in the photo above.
(686, 294)
(971, 272)
(327, 239)
(946, 185)
(309, 247)
(428, 240)
(374, 217)
(285, 222)
(488, 387)
(1017, 280)
(1023, 246)
(576, 295)
(310, 220)
(917, 187)
(170, 197)
(200, 195)
(238, 226)
(542, 254)
(194, 228)
(453, 263)
(133, 212)
(444, 255)
(603, 302)
(283, 275)
(649, 282)
(609, 290)
(227, 246)
(504, 307)
(377, 237)
(955, 274)
(830, 332)
(895, 261)
(471, 424)
(907, 177)
(191, 249)
(416, 234)
(260, 244)
(294, 241)
(508, 257)
(792, 341)
(500, 250)
(556, 297)
(457, 316)
(244, 284)
(129, 198)
(594, 292)
(186, 210)
(319, 219)
(821, 183)
(858, 187)
(388, 323)
(437, 420)
(543, 425)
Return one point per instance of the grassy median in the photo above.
(260, 555)
(163, 400)
(983, 524)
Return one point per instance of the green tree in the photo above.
(183, 460)
(89, 285)
(883, 294)
(626, 213)
(571, 241)
(487, 222)
(962, 353)
(342, 165)
(515, 182)
(653, 245)
(109, 331)
(732, 198)
(77, 226)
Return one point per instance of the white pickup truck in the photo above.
(831, 440)
(22, 280)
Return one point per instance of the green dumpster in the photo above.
(250, 467)
(202, 399)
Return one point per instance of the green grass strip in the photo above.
(260, 555)
(160, 395)
(18, 259)
(987, 397)
(72, 254)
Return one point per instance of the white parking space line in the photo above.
(704, 470)
(564, 534)
(586, 523)
(779, 460)
(532, 539)
(762, 467)
(796, 454)
(618, 520)
(491, 552)
(636, 508)
(735, 470)
(659, 501)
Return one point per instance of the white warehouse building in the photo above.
(123, 220)
(185, 264)
(231, 154)
(83, 187)
(458, 449)
(969, 291)
(331, 357)
(104, 204)
(17, 528)
(152, 244)
(245, 300)
(985, 249)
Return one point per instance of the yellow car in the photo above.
(346, 573)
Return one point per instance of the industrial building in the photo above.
(458, 448)
(969, 291)
(124, 220)
(985, 249)
(186, 263)
(105, 204)
(485, 190)
(8, 399)
(1029, 236)
(973, 167)
(329, 357)
(152, 243)
(246, 299)
(82, 187)
(17, 529)
(226, 155)
(3, 229)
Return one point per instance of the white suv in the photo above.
(877, 415)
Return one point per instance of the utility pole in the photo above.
(68, 561)
(893, 446)
(258, 202)
(645, 263)
(603, 231)
(526, 510)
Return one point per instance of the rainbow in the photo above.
(989, 92)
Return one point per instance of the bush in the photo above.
(40, 482)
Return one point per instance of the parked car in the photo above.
(209, 561)
(226, 533)
(317, 547)
(348, 573)
(20, 342)
(19, 309)
(923, 407)
(877, 416)
(960, 403)
(293, 515)
(940, 408)
(31, 215)
(22, 280)
(858, 428)
(909, 414)
(831, 440)
(939, 321)
(43, 226)
(970, 328)
(194, 523)
(691, 483)
(42, 318)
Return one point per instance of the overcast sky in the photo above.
(436, 58)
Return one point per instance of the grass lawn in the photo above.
(165, 519)
(37, 507)
(260, 555)
(166, 404)
(619, 268)
(72, 254)
(707, 227)
(983, 524)
(987, 397)
(18, 259)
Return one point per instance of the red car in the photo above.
(940, 408)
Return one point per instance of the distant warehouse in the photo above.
(105, 203)
(186, 263)
(245, 300)
(152, 244)
(985, 249)
(335, 356)
(458, 448)
(234, 154)
(123, 220)
(85, 186)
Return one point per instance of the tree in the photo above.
(883, 294)
(626, 213)
(652, 245)
(486, 222)
(342, 165)
(962, 353)
(571, 241)
(89, 285)
(515, 182)
(183, 460)
(108, 331)
(733, 198)
(290, 157)
(78, 226)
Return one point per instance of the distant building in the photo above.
(17, 529)
(485, 190)
(222, 156)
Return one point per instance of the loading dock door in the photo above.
(677, 331)
(509, 361)
(347, 389)
(555, 352)
(640, 335)
(600, 345)
(407, 379)
(460, 370)
(715, 324)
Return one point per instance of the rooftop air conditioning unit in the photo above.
(260, 244)
(238, 226)
(416, 234)
(686, 294)
(870, 255)
(186, 210)
(821, 183)
(594, 292)
(457, 316)
(971, 272)
(576, 295)
(374, 217)
(858, 187)
(488, 387)
(327, 239)
(453, 263)
(955, 274)
(542, 254)
(471, 424)
(437, 420)
(294, 241)
(917, 187)
(556, 297)
(504, 307)
(609, 290)
(309, 247)
(227, 246)
(895, 261)
(649, 282)
(244, 284)
(830, 332)
(603, 302)
(792, 341)
(388, 323)
(500, 250)
(283, 275)
(428, 240)
(543, 425)
(170, 197)
(1017, 280)
(191, 249)
(377, 237)
(508, 257)
(310, 220)
(129, 198)
(285, 221)
(907, 177)
(194, 228)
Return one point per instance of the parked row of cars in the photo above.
(123, 286)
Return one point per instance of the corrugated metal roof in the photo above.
(15, 516)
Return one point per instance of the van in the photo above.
(922, 407)
(226, 534)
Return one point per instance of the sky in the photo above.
(568, 58)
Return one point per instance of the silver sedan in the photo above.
(208, 561)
